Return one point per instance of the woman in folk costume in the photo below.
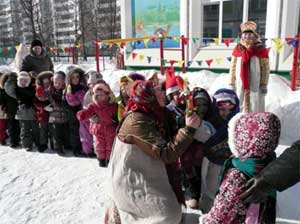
(253, 138)
(249, 70)
(138, 181)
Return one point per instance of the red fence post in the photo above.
(295, 64)
(161, 47)
(74, 55)
(97, 56)
(183, 69)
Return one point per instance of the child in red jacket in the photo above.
(104, 107)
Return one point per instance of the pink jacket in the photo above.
(106, 113)
(75, 99)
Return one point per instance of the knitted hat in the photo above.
(93, 77)
(60, 75)
(248, 26)
(253, 134)
(23, 76)
(136, 76)
(36, 42)
(171, 81)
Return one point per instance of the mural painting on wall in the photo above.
(156, 18)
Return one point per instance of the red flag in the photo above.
(288, 40)
(122, 44)
(208, 62)
(172, 62)
(185, 40)
(227, 41)
(153, 39)
(134, 55)
(268, 49)
(4, 49)
(67, 49)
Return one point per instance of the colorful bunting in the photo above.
(185, 40)
(278, 44)
(189, 63)
(164, 62)
(153, 39)
(133, 55)
(180, 62)
(146, 42)
(208, 62)
(199, 62)
(172, 62)
(229, 58)
(218, 60)
(149, 59)
(205, 40)
(263, 40)
(176, 38)
(216, 40)
(195, 39)
(227, 41)
(141, 57)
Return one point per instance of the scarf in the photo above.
(246, 54)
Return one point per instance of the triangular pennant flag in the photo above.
(10, 48)
(294, 42)
(0, 50)
(134, 55)
(176, 38)
(132, 44)
(216, 40)
(205, 40)
(17, 47)
(149, 59)
(118, 44)
(141, 57)
(172, 62)
(288, 40)
(111, 45)
(278, 44)
(218, 60)
(195, 39)
(263, 40)
(268, 49)
(229, 58)
(146, 41)
(180, 62)
(63, 49)
(153, 39)
(208, 62)
(189, 63)
(199, 62)
(227, 41)
(164, 61)
(127, 54)
(4, 49)
(122, 45)
(185, 40)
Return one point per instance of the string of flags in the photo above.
(277, 43)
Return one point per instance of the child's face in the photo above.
(75, 79)
(46, 83)
(125, 91)
(175, 97)
(202, 106)
(23, 82)
(224, 112)
(101, 95)
(58, 84)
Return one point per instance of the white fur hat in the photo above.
(23, 76)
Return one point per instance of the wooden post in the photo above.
(161, 48)
(97, 56)
(183, 69)
(74, 55)
(295, 64)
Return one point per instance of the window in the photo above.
(210, 20)
(232, 18)
(257, 13)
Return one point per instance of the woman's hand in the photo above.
(193, 120)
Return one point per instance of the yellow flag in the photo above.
(141, 57)
(278, 44)
(176, 38)
(17, 47)
(146, 41)
(180, 62)
(119, 44)
(218, 60)
(216, 40)
(63, 49)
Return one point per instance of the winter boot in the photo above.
(42, 148)
(106, 162)
(195, 191)
(102, 162)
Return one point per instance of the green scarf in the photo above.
(250, 167)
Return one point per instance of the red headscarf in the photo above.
(143, 99)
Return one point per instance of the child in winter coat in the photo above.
(9, 106)
(58, 115)
(216, 149)
(191, 160)
(75, 92)
(86, 138)
(42, 93)
(253, 138)
(104, 107)
(23, 91)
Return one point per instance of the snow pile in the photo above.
(45, 188)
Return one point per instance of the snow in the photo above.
(46, 188)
